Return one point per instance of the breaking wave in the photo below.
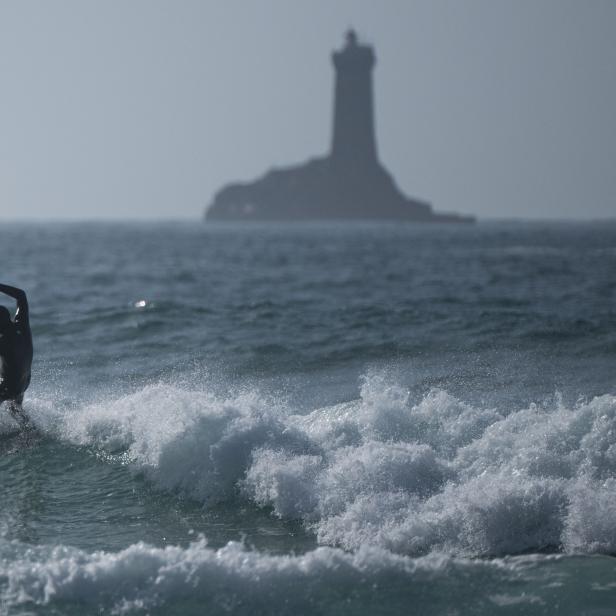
(199, 579)
(434, 475)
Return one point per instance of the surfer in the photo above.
(15, 353)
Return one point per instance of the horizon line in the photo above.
(181, 220)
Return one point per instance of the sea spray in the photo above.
(413, 477)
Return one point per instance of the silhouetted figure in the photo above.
(15, 353)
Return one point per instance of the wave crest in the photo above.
(199, 579)
(436, 475)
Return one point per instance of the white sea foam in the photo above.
(382, 471)
(199, 579)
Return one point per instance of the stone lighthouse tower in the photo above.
(353, 140)
(348, 183)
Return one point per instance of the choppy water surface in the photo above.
(317, 419)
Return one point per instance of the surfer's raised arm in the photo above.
(22, 315)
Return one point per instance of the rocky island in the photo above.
(349, 183)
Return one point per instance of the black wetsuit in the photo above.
(15, 350)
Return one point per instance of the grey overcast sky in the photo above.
(144, 108)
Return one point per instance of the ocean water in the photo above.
(320, 419)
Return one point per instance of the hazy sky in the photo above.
(145, 108)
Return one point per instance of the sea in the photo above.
(364, 418)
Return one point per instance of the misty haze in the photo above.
(307, 308)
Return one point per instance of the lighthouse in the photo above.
(348, 183)
(353, 136)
